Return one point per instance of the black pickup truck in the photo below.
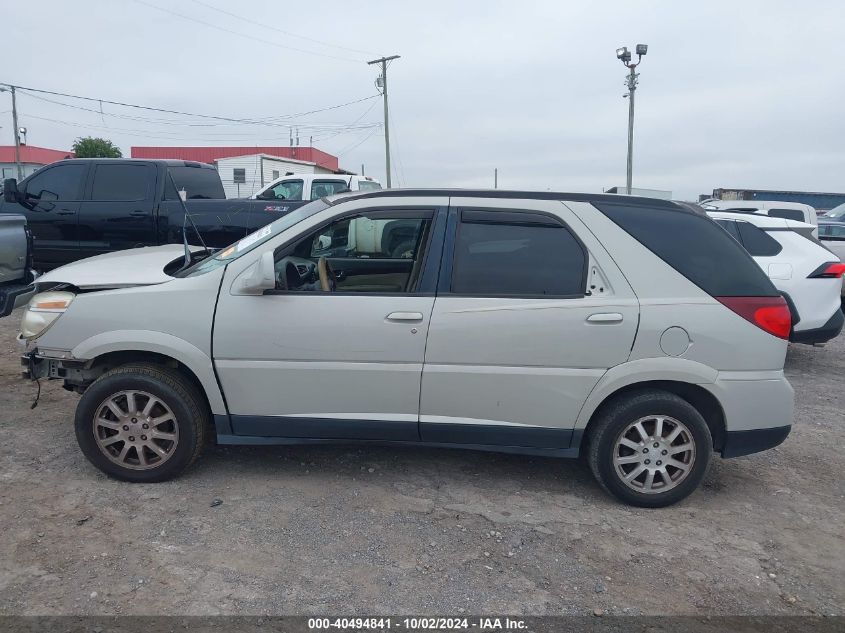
(81, 207)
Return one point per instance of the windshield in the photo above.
(837, 213)
(253, 240)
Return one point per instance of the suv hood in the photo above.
(122, 269)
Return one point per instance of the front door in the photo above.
(530, 313)
(336, 351)
(51, 204)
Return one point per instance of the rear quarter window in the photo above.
(695, 246)
(757, 242)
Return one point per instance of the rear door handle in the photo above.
(66, 212)
(605, 317)
(139, 213)
(404, 316)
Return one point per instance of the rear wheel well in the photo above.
(698, 397)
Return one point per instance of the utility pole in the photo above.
(496, 178)
(624, 55)
(383, 61)
(17, 134)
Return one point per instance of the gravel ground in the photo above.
(344, 529)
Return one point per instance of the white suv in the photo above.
(631, 330)
(808, 275)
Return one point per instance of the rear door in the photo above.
(118, 210)
(321, 187)
(531, 311)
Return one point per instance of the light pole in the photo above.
(624, 55)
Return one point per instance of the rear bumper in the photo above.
(738, 443)
(752, 401)
(821, 334)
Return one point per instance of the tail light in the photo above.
(828, 270)
(770, 314)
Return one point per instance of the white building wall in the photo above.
(10, 170)
(253, 166)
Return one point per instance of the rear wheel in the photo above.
(141, 423)
(650, 449)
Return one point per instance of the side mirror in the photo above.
(10, 190)
(262, 277)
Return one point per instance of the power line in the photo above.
(274, 121)
(175, 136)
(251, 38)
(278, 30)
(361, 142)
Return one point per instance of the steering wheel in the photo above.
(328, 282)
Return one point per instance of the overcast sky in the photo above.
(732, 94)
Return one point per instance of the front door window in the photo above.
(379, 254)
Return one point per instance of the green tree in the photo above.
(91, 147)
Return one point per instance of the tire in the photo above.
(614, 434)
(178, 440)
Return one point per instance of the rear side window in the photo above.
(757, 242)
(787, 214)
(696, 247)
(368, 185)
(198, 182)
(498, 259)
(121, 183)
(323, 188)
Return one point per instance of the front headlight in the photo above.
(43, 309)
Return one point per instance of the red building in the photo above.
(211, 154)
(32, 159)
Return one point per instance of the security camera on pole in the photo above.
(624, 55)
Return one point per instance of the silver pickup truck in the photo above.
(16, 273)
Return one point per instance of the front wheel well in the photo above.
(698, 397)
(103, 363)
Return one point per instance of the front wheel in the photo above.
(141, 423)
(650, 449)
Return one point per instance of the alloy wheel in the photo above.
(135, 430)
(654, 454)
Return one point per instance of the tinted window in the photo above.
(758, 242)
(322, 188)
(63, 182)
(696, 247)
(198, 183)
(787, 214)
(121, 182)
(510, 259)
(730, 227)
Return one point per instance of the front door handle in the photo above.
(605, 317)
(404, 316)
(66, 212)
(139, 213)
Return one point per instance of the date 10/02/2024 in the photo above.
(417, 624)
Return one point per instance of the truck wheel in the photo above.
(141, 423)
(650, 449)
